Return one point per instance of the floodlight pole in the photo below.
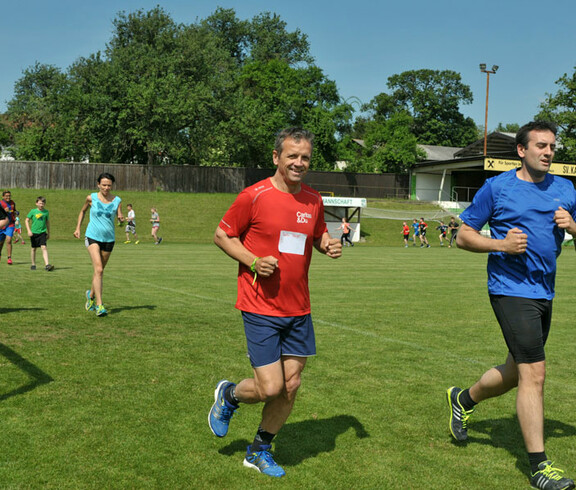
(488, 72)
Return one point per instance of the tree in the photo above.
(39, 127)
(433, 99)
(269, 40)
(277, 86)
(160, 92)
(273, 95)
(264, 38)
(210, 93)
(422, 107)
(508, 128)
(5, 131)
(560, 108)
(231, 32)
(389, 144)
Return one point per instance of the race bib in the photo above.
(292, 242)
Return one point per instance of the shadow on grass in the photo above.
(128, 308)
(39, 376)
(505, 433)
(12, 310)
(302, 440)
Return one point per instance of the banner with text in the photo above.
(502, 165)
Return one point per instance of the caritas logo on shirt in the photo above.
(303, 217)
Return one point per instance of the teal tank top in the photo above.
(102, 219)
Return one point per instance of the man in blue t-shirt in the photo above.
(528, 211)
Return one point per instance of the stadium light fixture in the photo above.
(488, 73)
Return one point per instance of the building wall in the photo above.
(428, 186)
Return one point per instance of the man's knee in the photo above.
(282, 387)
(270, 390)
(534, 373)
(292, 384)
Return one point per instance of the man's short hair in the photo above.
(41, 198)
(297, 134)
(523, 134)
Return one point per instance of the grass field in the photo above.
(122, 401)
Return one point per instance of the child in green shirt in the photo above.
(38, 226)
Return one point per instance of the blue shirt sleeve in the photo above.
(480, 211)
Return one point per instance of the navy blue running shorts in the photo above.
(271, 337)
(525, 324)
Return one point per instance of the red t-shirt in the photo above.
(10, 209)
(284, 225)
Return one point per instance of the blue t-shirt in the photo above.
(505, 202)
(102, 218)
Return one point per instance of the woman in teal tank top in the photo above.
(100, 235)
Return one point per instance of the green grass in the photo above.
(122, 401)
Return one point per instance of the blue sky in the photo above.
(357, 44)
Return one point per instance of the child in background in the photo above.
(131, 225)
(18, 230)
(443, 229)
(38, 226)
(155, 220)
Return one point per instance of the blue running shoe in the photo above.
(263, 462)
(90, 305)
(101, 311)
(222, 411)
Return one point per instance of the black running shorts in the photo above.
(525, 324)
(38, 240)
(104, 246)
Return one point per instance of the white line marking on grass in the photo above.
(396, 341)
(322, 322)
(427, 349)
(366, 333)
(177, 291)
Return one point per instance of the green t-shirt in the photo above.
(39, 220)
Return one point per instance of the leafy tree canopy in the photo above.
(422, 107)
(214, 92)
(560, 108)
(208, 93)
(508, 128)
(433, 99)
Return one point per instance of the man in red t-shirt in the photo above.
(406, 233)
(271, 229)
